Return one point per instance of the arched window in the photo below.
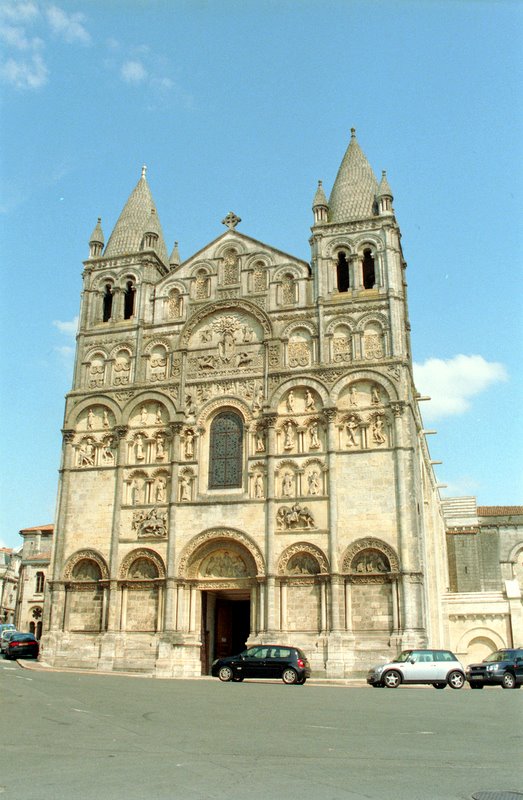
(40, 580)
(226, 451)
(342, 273)
(128, 301)
(288, 290)
(107, 302)
(369, 272)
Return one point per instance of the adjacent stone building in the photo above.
(483, 606)
(244, 458)
(34, 567)
(9, 568)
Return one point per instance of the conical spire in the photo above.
(384, 188)
(174, 258)
(354, 192)
(96, 240)
(136, 219)
(320, 198)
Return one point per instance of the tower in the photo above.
(244, 459)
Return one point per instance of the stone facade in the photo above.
(244, 458)
(483, 606)
(9, 569)
(34, 568)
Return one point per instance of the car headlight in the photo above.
(378, 670)
(215, 662)
(492, 667)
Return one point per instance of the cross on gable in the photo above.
(231, 220)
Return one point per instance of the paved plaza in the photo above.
(113, 737)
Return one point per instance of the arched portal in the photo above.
(222, 567)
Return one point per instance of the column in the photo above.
(269, 610)
(112, 616)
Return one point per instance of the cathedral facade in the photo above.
(244, 459)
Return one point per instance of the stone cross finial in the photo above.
(231, 220)
(144, 170)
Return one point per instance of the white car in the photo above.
(438, 667)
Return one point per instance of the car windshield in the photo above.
(404, 656)
(499, 655)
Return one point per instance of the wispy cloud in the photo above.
(133, 72)
(23, 65)
(68, 328)
(453, 382)
(69, 27)
(27, 73)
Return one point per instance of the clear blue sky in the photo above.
(244, 106)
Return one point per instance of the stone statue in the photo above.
(310, 405)
(143, 415)
(160, 446)
(106, 420)
(377, 430)
(185, 487)
(158, 414)
(87, 453)
(352, 396)
(258, 486)
(352, 430)
(107, 452)
(290, 402)
(313, 433)
(288, 429)
(295, 517)
(314, 482)
(189, 444)
(260, 441)
(161, 486)
(140, 455)
(90, 419)
(375, 398)
(287, 484)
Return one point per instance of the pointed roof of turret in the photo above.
(138, 215)
(354, 192)
(319, 198)
(97, 235)
(174, 258)
(384, 188)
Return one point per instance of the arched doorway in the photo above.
(223, 565)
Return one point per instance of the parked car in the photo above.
(438, 667)
(264, 661)
(502, 668)
(5, 636)
(22, 645)
(7, 626)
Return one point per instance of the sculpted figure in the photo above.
(161, 486)
(106, 420)
(143, 415)
(313, 433)
(258, 398)
(189, 444)
(185, 488)
(87, 453)
(290, 402)
(377, 430)
(260, 442)
(135, 493)
(258, 486)
(352, 396)
(352, 430)
(375, 395)
(314, 482)
(140, 455)
(107, 452)
(90, 419)
(288, 430)
(205, 334)
(309, 401)
(158, 414)
(160, 446)
(287, 484)
(247, 333)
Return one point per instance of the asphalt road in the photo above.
(94, 737)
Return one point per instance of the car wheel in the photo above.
(377, 685)
(439, 685)
(392, 679)
(455, 679)
(289, 675)
(301, 680)
(475, 685)
(225, 674)
(508, 681)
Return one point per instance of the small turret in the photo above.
(384, 196)
(320, 206)
(152, 232)
(96, 241)
(174, 259)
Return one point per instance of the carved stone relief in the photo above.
(150, 523)
(295, 517)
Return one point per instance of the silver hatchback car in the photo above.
(438, 667)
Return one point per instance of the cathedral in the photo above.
(244, 459)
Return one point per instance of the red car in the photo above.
(23, 645)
